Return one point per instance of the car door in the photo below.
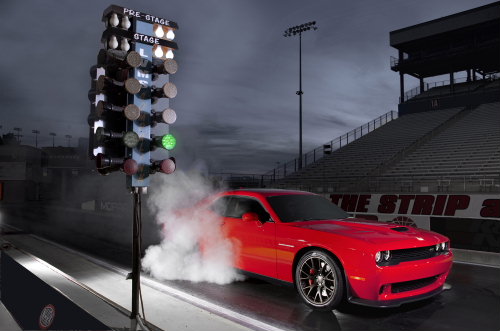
(254, 242)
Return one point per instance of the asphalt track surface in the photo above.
(472, 303)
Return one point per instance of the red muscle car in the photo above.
(305, 240)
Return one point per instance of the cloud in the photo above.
(237, 74)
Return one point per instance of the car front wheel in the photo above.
(319, 281)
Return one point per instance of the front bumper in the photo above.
(392, 286)
(395, 302)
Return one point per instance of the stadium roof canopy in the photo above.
(462, 41)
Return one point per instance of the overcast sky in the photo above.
(237, 108)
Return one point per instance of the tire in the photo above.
(319, 281)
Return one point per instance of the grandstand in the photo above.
(447, 134)
(367, 154)
(436, 164)
(470, 145)
(455, 149)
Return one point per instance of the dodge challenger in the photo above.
(303, 239)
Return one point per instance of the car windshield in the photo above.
(302, 207)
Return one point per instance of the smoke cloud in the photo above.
(187, 227)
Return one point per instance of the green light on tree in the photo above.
(168, 141)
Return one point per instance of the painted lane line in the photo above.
(229, 314)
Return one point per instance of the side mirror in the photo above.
(250, 217)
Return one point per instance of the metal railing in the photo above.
(289, 167)
(409, 94)
(395, 61)
(427, 86)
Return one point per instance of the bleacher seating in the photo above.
(456, 149)
(495, 84)
(470, 146)
(362, 156)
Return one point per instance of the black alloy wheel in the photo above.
(319, 281)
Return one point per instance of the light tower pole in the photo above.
(18, 134)
(68, 136)
(53, 139)
(36, 132)
(293, 31)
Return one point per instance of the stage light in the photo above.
(170, 34)
(159, 32)
(158, 52)
(162, 52)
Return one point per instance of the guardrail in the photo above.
(409, 94)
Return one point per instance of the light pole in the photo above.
(293, 31)
(53, 139)
(69, 139)
(18, 134)
(36, 132)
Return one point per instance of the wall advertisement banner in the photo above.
(472, 221)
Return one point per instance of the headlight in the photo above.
(378, 257)
(387, 255)
(443, 246)
(438, 247)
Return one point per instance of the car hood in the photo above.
(379, 233)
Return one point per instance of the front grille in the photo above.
(412, 254)
(413, 284)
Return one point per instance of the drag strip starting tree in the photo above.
(138, 53)
(138, 50)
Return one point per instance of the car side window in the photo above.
(220, 206)
(246, 205)
(232, 210)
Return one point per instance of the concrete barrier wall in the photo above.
(37, 306)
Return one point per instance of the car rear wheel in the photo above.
(319, 281)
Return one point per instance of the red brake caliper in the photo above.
(312, 272)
